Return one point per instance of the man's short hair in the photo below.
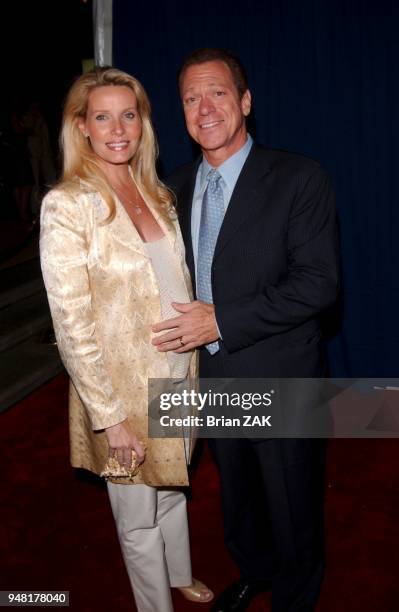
(209, 54)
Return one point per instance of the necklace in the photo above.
(136, 206)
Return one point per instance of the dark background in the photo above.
(325, 82)
(42, 45)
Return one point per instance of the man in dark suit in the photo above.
(273, 270)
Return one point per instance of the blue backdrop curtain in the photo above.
(325, 82)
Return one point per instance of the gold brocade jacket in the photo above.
(104, 297)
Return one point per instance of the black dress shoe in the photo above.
(238, 596)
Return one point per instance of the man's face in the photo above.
(215, 114)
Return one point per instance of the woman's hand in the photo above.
(121, 442)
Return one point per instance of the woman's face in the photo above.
(112, 123)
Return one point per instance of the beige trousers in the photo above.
(153, 534)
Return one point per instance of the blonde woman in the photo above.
(113, 262)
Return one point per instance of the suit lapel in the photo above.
(184, 207)
(246, 198)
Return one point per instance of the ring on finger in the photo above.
(181, 341)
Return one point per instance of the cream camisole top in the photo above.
(172, 288)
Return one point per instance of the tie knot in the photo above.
(213, 176)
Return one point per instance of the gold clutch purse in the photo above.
(113, 469)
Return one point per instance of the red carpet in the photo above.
(57, 532)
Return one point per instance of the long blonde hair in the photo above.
(79, 160)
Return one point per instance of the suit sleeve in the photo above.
(64, 253)
(310, 283)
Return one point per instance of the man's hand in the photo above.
(194, 327)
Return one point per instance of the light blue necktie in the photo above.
(212, 214)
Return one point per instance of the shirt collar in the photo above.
(231, 167)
